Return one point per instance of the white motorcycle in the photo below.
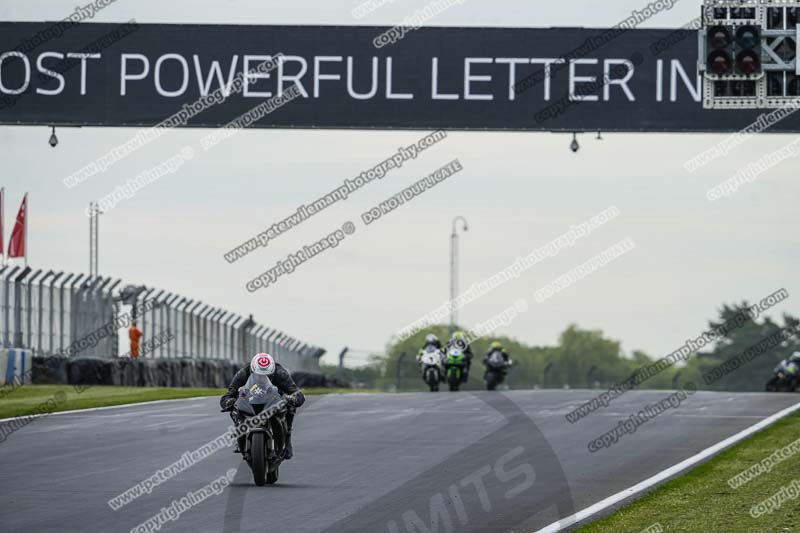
(432, 369)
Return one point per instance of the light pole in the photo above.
(94, 239)
(454, 270)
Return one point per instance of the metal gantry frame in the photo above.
(776, 54)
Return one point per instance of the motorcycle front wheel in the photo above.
(454, 380)
(258, 461)
(772, 385)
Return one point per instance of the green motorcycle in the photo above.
(454, 365)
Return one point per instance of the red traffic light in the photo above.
(748, 62)
(719, 62)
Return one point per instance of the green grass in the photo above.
(23, 400)
(702, 500)
(26, 398)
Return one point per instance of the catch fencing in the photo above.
(76, 315)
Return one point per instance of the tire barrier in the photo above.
(152, 373)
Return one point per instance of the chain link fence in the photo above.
(57, 313)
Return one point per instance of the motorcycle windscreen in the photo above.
(257, 394)
(496, 359)
(431, 356)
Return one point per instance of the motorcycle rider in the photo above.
(430, 340)
(459, 340)
(265, 364)
(794, 359)
(496, 346)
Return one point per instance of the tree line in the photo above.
(585, 358)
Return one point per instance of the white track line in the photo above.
(153, 402)
(665, 474)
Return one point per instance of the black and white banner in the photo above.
(453, 78)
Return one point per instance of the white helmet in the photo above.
(430, 337)
(263, 364)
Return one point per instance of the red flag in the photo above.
(16, 245)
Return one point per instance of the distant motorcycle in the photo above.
(785, 378)
(432, 370)
(260, 410)
(496, 369)
(454, 365)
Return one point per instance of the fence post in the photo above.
(217, 327)
(61, 312)
(340, 368)
(207, 331)
(163, 318)
(279, 339)
(276, 344)
(100, 317)
(147, 301)
(29, 309)
(257, 333)
(7, 307)
(2, 305)
(73, 311)
(41, 312)
(246, 327)
(18, 340)
(547, 368)
(400, 372)
(194, 323)
(258, 339)
(202, 349)
(163, 324)
(589, 377)
(185, 311)
(172, 318)
(52, 311)
(231, 327)
(113, 313)
(675, 379)
(271, 341)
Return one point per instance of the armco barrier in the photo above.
(152, 373)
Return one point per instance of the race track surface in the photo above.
(393, 463)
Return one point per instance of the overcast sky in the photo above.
(518, 191)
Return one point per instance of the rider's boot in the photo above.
(240, 445)
(287, 450)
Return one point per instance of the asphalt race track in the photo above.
(394, 463)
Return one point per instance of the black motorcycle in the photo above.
(260, 416)
(496, 369)
(785, 378)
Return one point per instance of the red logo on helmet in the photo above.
(264, 361)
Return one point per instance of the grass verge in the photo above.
(703, 501)
(25, 399)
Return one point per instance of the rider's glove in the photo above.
(228, 404)
(297, 399)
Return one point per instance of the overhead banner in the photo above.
(555, 79)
